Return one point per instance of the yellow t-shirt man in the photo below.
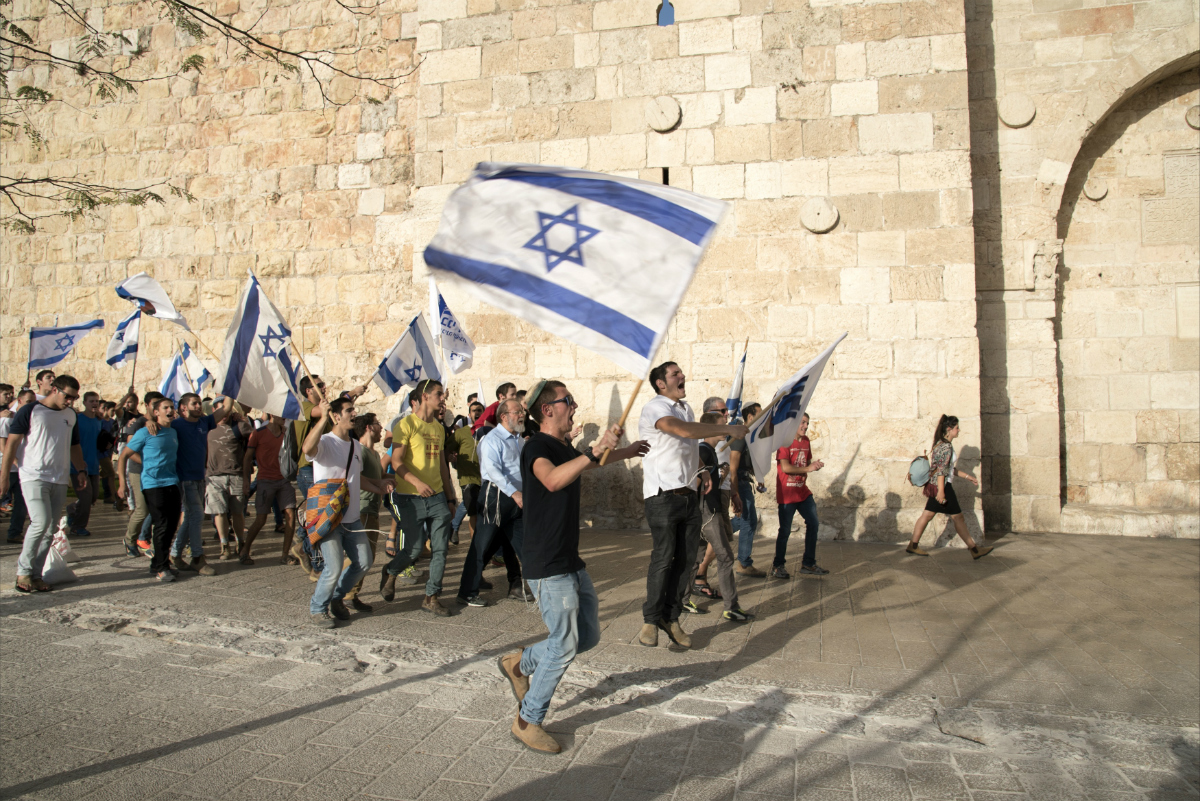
(422, 444)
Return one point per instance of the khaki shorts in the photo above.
(266, 493)
(223, 495)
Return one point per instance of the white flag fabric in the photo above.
(124, 344)
(175, 383)
(734, 401)
(259, 369)
(151, 298)
(410, 360)
(196, 369)
(457, 349)
(776, 426)
(601, 261)
(49, 346)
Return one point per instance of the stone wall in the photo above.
(780, 105)
(1130, 323)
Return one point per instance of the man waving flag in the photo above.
(410, 360)
(259, 370)
(601, 261)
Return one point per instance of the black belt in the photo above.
(679, 491)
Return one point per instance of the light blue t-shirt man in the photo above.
(158, 456)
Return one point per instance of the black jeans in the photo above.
(165, 505)
(500, 523)
(675, 533)
(787, 512)
(16, 523)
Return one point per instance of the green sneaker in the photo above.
(410, 575)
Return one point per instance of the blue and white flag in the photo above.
(259, 370)
(598, 260)
(734, 401)
(49, 346)
(776, 426)
(175, 383)
(410, 360)
(151, 298)
(124, 344)
(196, 369)
(458, 350)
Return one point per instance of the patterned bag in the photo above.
(326, 503)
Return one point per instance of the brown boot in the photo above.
(914, 548)
(510, 668)
(978, 552)
(648, 635)
(301, 557)
(201, 566)
(533, 736)
(752, 571)
(387, 586)
(678, 636)
(432, 605)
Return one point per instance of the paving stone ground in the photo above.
(1056, 668)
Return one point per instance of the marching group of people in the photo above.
(517, 477)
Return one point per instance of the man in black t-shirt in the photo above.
(550, 469)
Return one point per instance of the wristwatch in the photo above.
(591, 454)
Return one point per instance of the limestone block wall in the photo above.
(1130, 322)
(1043, 74)
(286, 184)
(782, 103)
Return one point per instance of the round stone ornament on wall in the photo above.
(819, 215)
(1096, 188)
(663, 113)
(1193, 118)
(1016, 110)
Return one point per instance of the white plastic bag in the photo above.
(56, 570)
(63, 546)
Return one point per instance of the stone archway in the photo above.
(1128, 315)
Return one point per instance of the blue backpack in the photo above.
(918, 471)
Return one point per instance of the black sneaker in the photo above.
(780, 573)
(813, 570)
(338, 609)
(737, 614)
(361, 606)
(474, 600)
(689, 606)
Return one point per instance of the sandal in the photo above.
(23, 587)
(244, 560)
(41, 586)
(389, 547)
(705, 590)
(288, 559)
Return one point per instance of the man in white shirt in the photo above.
(44, 442)
(671, 476)
(330, 454)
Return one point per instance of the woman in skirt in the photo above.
(941, 469)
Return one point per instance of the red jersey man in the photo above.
(792, 466)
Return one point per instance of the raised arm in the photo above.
(680, 428)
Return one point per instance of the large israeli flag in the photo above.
(776, 426)
(458, 351)
(601, 261)
(151, 298)
(259, 370)
(49, 346)
(410, 361)
(124, 344)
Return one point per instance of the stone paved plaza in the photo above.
(1057, 668)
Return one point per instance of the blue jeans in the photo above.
(787, 511)
(460, 514)
(190, 528)
(415, 513)
(746, 524)
(571, 612)
(304, 482)
(349, 540)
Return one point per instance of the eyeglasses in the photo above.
(70, 398)
(568, 400)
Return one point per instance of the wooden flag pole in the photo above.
(208, 350)
(183, 364)
(624, 415)
(308, 372)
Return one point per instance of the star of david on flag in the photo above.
(775, 427)
(124, 344)
(49, 346)
(599, 260)
(410, 361)
(259, 369)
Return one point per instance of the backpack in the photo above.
(918, 476)
(289, 454)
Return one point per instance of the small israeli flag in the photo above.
(776, 426)
(124, 344)
(410, 361)
(196, 369)
(598, 260)
(259, 371)
(458, 350)
(151, 298)
(175, 383)
(734, 401)
(49, 346)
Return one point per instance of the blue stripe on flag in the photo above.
(670, 216)
(120, 357)
(394, 383)
(625, 331)
(241, 345)
(428, 362)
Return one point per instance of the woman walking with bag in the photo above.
(944, 501)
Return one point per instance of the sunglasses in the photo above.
(568, 400)
(70, 398)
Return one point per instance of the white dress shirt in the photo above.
(673, 461)
(500, 459)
